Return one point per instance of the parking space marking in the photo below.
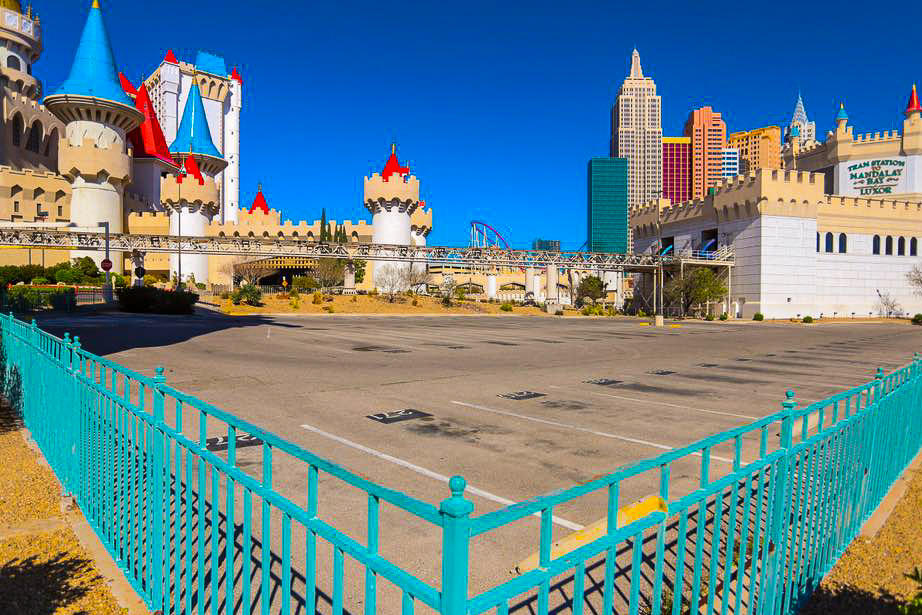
(669, 405)
(434, 475)
(603, 434)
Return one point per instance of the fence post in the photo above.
(158, 558)
(780, 511)
(456, 535)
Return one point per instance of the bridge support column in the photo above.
(551, 274)
(349, 279)
(530, 284)
(491, 286)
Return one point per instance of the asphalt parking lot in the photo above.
(519, 406)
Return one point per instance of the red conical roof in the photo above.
(148, 139)
(393, 165)
(913, 101)
(191, 168)
(236, 76)
(126, 85)
(170, 57)
(260, 201)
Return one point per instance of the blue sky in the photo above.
(497, 105)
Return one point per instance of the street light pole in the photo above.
(105, 225)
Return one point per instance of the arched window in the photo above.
(817, 242)
(901, 246)
(913, 247)
(876, 244)
(829, 241)
(843, 243)
(13, 62)
(18, 127)
(889, 245)
(34, 143)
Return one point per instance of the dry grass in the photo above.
(869, 579)
(365, 304)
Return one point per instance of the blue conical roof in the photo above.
(93, 72)
(193, 136)
(841, 115)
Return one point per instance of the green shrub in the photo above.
(808, 319)
(506, 307)
(200, 285)
(318, 299)
(558, 313)
(586, 311)
(758, 316)
(150, 279)
(917, 319)
(26, 298)
(294, 300)
(724, 316)
(248, 294)
(329, 309)
(641, 313)
(415, 302)
(225, 295)
(151, 300)
(302, 282)
(709, 317)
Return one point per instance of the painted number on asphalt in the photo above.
(220, 443)
(604, 382)
(520, 395)
(397, 416)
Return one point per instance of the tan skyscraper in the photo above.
(708, 134)
(759, 148)
(637, 134)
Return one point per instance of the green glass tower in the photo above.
(608, 230)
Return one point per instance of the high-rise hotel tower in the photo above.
(637, 134)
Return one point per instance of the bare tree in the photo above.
(391, 279)
(449, 288)
(914, 277)
(329, 272)
(251, 272)
(887, 306)
(418, 280)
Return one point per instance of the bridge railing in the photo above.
(750, 519)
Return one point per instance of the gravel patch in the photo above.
(869, 577)
(43, 568)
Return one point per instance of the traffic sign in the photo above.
(139, 272)
(106, 264)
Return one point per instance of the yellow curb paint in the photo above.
(626, 515)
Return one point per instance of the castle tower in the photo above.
(193, 198)
(391, 196)
(21, 38)
(912, 125)
(98, 115)
(233, 104)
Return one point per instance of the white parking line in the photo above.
(663, 403)
(435, 475)
(578, 428)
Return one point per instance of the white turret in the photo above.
(392, 197)
(231, 184)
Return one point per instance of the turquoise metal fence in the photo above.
(753, 535)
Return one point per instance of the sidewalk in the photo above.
(43, 568)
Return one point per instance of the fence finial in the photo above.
(160, 377)
(880, 374)
(66, 337)
(457, 505)
(789, 403)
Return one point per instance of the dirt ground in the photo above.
(870, 577)
(365, 304)
(43, 569)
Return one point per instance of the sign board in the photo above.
(398, 415)
(139, 272)
(874, 177)
(220, 443)
(106, 264)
